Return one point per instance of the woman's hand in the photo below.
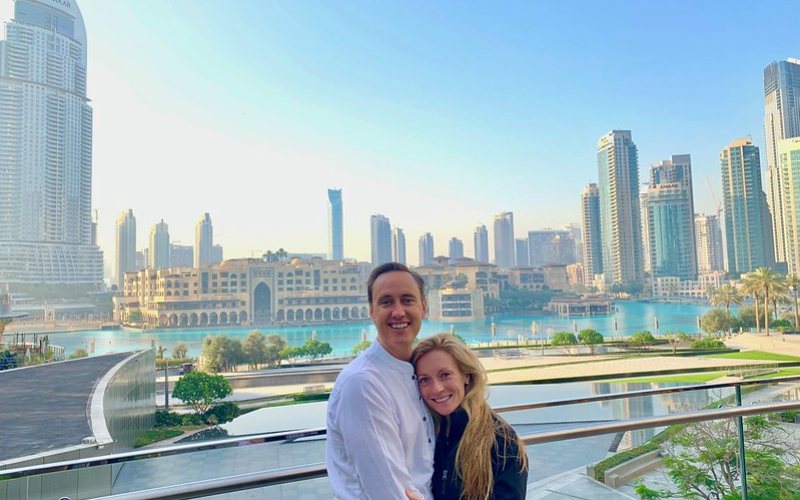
(413, 494)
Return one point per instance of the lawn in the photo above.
(756, 355)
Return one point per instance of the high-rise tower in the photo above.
(126, 247)
(748, 232)
(455, 249)
(398, 245)
(789, 165)
(159, 246)
(592, 247)
(381, 239)
(670, 219)
(709, 243)
(46, 148)
(618, 169)
(480, 242)
(426, 249)
(781, 121)
(504, 240)
(335, 226)
(203, 241)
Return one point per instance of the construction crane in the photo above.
(714, 198)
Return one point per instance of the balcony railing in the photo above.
(247, 481)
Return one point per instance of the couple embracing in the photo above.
(409, 421)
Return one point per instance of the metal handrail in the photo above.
(297, 434)
(292, 474)
(642, 393)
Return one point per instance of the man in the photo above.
(380, 435)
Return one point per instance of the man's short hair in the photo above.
(391, 267)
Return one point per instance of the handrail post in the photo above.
(742, 462)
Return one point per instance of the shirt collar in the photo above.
(382, 356)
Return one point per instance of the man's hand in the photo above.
(413, 494)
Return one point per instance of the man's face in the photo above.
(397, 309)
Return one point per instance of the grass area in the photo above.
(689, 378)
(788, 372)
(756, 355)
(156, 435)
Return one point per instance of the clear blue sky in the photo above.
(435, 114)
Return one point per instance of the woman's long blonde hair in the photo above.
(474, 454)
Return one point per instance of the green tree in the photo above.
(793, 284)
(567, 340)
(275, 345)
(675, 338)
(726, 295)
(591, 338)
(160, 352)
(314, 349)
(716, 321)
(708, 343)
(201, 390)
(78, 353)
(292, 353)
(222, 353)
(642, 340)
(179, 350)
(747, 317)
(361, 346)
(254, 348)
(135, 316)
(702, 461)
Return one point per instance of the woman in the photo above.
(478, 455)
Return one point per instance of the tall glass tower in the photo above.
(504, 240)
(789, 163)
(592, 248)
(126, 246)
(204, 241)
(620, 219)
(781, 121)
(46, 148)
(426, 249)
(398, 245)
(381, 239)
(480, 243)
(748, 232)
(670, 219)
(335, 231)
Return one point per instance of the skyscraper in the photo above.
(398, 245)
(709, 243)
(542, 247)
(456, 249)
(46, 148)
(159, 246)
(335, 226)
(618, 169)
(781, 121)
(521, 252)
(426, 249)
(789, 165)
(670, 219)
(646, 264)
(203, 241)
(480, 242)
(592, 247)
(181, 255)
(504, 240)
(126, 246)
(748, 232)
(381, 239)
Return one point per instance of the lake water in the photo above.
(627, 318)
(546, 459)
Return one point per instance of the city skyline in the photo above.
(238, 117)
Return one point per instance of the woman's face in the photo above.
(441, 383)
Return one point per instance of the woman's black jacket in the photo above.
(510, 483)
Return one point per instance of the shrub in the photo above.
(221, 413)
(168, 419)
(708, 343)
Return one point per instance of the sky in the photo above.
(438, 115)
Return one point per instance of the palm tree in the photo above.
(771, 283)
(750, 287)
(792, 284)
(727, 294)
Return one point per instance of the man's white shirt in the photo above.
(380, 436)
